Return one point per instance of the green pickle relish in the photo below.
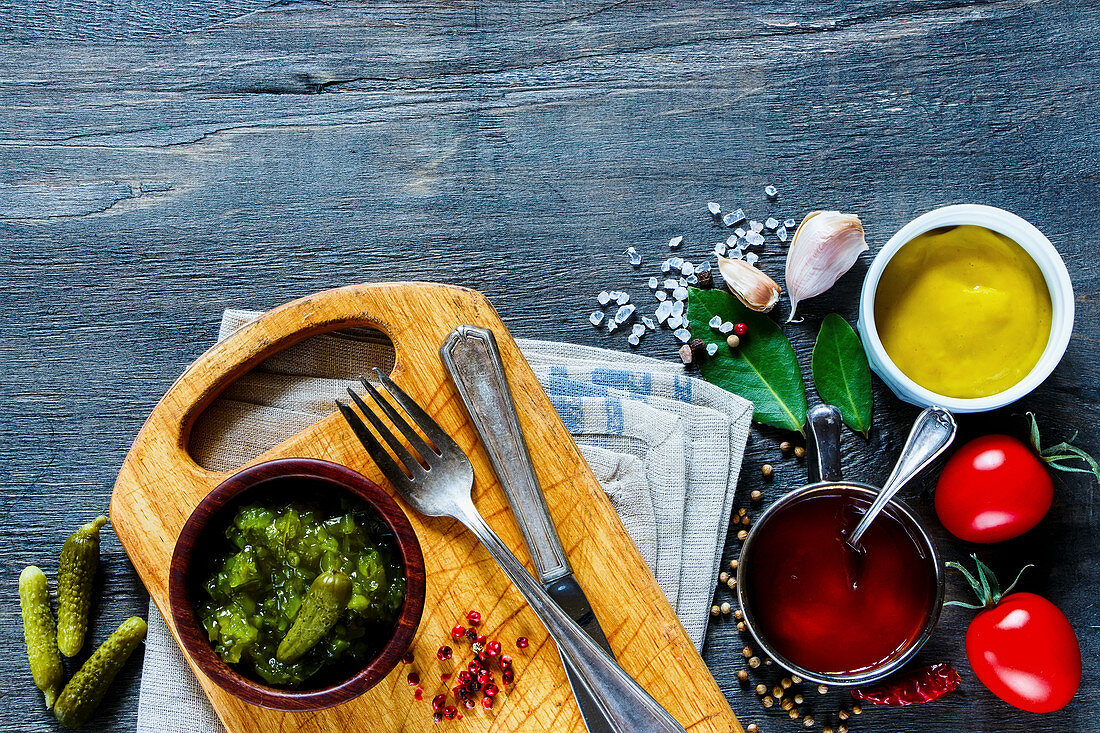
(260, 576)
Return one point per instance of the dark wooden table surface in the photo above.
(162, 161)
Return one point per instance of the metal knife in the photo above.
(472, 359)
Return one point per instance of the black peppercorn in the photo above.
(706, 280)
(698, 348)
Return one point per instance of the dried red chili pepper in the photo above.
(921, 685)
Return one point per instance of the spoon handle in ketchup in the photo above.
(932, 432)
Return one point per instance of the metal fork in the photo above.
(441, 487)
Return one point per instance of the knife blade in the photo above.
(472, 359)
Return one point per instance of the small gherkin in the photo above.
(75, 573)
(87, 687)
(326, 600)
(40, 633)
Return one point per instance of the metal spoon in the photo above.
(931, 434)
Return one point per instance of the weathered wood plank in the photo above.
(162, 161)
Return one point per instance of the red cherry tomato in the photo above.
(1024, 650)
(993, 489)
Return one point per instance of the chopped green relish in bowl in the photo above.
(259, 575)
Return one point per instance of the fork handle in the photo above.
(624, 703)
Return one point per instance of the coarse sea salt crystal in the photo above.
(678, 308)
(611, 325)
(693, 280)
(660, 295)
(720, 249)
(771, 223)
(754, 239)
(653, 283)
(682, 282)
(675, 321)
(726, 327)
(781, 233)
(633, 340)
(670, 284)
(635, 259)
(596, 318)
(737, 233)
(715, 322)
(624, 313)
(666, 266)
(705, 267)
(756, 226)
(714, 208)
(648, 323)
(680, 293)
(675, 242)
(604, 297)
(789, 223)
(771, 192)
(687, 269)
(682, 335)
(676, 262)
(664, 310)
(637, 329)
(731, 240)
(712, 349)
(752, 258)
(738, 216)
(730, 220)
(623, 298)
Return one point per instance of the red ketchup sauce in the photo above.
(826, 607)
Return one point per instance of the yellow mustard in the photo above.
(963, 311)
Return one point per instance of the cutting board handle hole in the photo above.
(283, 395)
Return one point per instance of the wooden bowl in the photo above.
(212, 509)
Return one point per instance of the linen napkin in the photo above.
(665, 447)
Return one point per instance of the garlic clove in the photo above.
(751, 286)
(825, 246)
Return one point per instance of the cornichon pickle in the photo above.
(327, 598)
(86, 689)
(40, 633)
(75, 573)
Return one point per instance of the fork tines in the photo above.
(441, 443)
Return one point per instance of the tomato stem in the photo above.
(1056, 455)
(985, 584)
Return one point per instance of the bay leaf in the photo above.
(763, 369)
(841, 373)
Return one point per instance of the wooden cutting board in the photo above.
(159, 485)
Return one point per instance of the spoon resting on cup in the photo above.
(932, 433)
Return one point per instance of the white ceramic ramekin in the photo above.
(1033, 242)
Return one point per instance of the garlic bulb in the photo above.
(825, 246)
(751, 286)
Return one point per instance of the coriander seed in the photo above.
(756, 495)
(767, 701)
(787, 704)
(725, 608)
(843, 714)
(767, 470)
(761, 689)
(742, 535)
(746, 652)
(842, 728)
(738, 615)
(808, 721)
(741, 626)
(731, 583)
(856, 710)
(723, 576)
(786, 682)
(714, 610)
(822, 689)
(798, 699)
(752, 728)
(793, 714)
(754, 662)
(733, 564)
(742, 675)
(777, 691)
(785, 446)
(796, 679)
(799, 451)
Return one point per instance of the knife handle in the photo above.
(472, 359)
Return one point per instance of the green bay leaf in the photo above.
(841, 373)
(763, 369)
